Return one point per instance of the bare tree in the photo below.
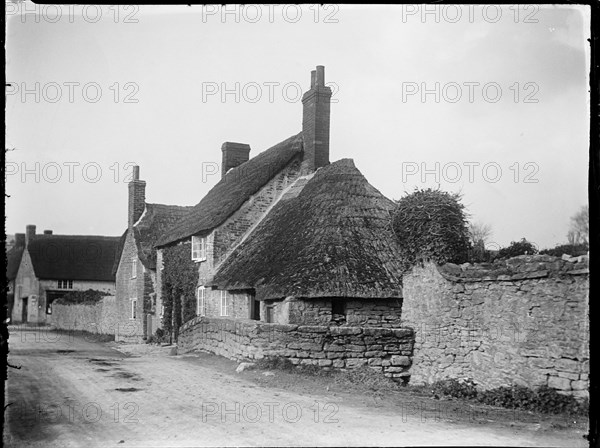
(479, 233)
(579, 231)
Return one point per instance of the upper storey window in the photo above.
(199, 248)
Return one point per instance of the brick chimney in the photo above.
(47, 232)
(234, 154)
(19, 239)
(137, 197)
(29, 234)
(315, 122)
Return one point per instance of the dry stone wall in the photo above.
(519, 321)
(98, 318)
(385, 350)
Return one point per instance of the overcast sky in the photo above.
(492, 103)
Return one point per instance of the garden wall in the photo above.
(100, 317)
(388, 351)
(519, 321)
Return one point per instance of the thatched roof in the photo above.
(13, 261)
(334, 239)
(74, 257)
(238, 185)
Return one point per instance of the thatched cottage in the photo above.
(45, 267)
(287, 237)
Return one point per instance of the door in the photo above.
(25, 310)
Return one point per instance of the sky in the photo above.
(489, 102)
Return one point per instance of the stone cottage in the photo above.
(52, 265)
(138, 310)
(287, 237)
(13, 260)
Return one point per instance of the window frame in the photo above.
(199, 253)
(201, 301)
(224, 301)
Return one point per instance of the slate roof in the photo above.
(13, 261)
(334, 239)
(74, 257)
(238, 185)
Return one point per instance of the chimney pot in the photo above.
(313, 78)
(136, 172)
(320, 75)
(234, 154)
(47, 232)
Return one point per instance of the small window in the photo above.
(162, 311)
(133, 309)
(224, 303)
(198, 248)
(338, 310)
(19, 292)
(133, 267)
(201, 301)
(65, 284)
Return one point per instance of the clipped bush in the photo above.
(431, 225)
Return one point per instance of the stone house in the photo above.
(13, 260)
(52, 265)
(138, 312)
(287, 237)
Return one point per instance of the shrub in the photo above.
(573, 250)
(431, 224)
(159, 337)
(543, 399)
(515, 249)
(365, 377)
(275, 363)
(88, 297)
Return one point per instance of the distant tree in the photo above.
(570, 249)
(479, 234)
(431, 225)
(579, 231)
(522, 247)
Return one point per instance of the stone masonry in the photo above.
(521, 321)
(385, 350)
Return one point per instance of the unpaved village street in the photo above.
(76, 392)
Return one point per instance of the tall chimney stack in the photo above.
(29, 234)
(234, 154)
(315, 122)
(137, 197)
(19, 239)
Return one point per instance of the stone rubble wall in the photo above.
(520, 321)
(98, 318)
(385, 350)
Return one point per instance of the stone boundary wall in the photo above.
(385, 350)
(519, 321)
(99, 318)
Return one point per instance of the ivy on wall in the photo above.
(179, 281)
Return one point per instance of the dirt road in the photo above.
(76, 392)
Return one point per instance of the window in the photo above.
(65, 284)
(133, 267)
(162, 311)
(133, 309)
(19, 292)
(201, 301)
(338, 311)
(198, 248)
(224, 303)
